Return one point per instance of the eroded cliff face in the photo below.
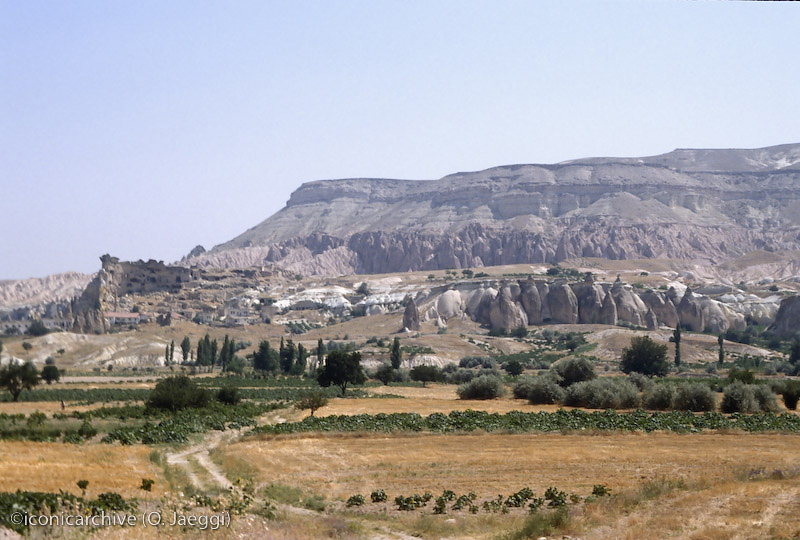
(709, 205)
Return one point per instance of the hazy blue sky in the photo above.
(143, 128)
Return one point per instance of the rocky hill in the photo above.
(28, 292)
(695, 205)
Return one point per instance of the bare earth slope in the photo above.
(709, 205)
(28, 292)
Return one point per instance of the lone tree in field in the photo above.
(676, 339)
(341, 368)
(312, 401)
(645, 356)
(721, 341)
(16, 378)
(426, 374)
(50, 374)
(396, 354)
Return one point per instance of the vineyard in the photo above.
(521, 422)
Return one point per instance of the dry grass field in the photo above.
(50, 467)
(702, 483)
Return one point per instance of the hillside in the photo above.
(693, 205)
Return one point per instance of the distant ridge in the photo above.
(691, 204)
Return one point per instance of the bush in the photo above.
(574, 370)
(178, 392)
(742, 375)
(694, 397)
(87, 430)
(739, 397)
(642, 382)
(50, 374)
(476, 361)
(513, 367)
(355, 500)
(659, 397)
(766, 398)
(460, 376)
(603, 394)
(378, 496)
(228, 395)
(385, 373)
(483, 387)
(544, 389)
(791, 394)
(645, 356)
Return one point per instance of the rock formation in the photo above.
(411, 316)
(505, 313)
(590, 301)
(787, 321)
(709, 205)
(608, 312)
(662, 306)
(562, 303)
(630, 307)
(531, 301)
(690, 312)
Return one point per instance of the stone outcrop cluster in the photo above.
(511, 304)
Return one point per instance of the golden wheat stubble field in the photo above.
(36, 466)
(713, 466)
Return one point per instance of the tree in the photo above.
(16, 378)
(27, 346)
(341, 368)
(311, 400)
(287, 353)
(37, 328)
(513, 367)
(676, 339)
(172, 351)
(1, 347)
(721, 340)
(299, 367)
(320, 353)
(396, 354)
(794, 352)
(186, 346)
(645, 356)
(50, 374)
(213, 352)
(166, 355)
(265, 358)
(177, 392)
(363, 289)
(573, 370)
(426, 374)
(385, 373)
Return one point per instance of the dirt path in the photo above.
(212, 475)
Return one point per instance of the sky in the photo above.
(142, 129)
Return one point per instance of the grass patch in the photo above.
(542, 523)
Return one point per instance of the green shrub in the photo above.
(378, 496)
(574, 370)
(766, 398)
(228, 395)
(544, 389)
(177, 392)
(791, 394)
(742, 375)
(659, 397)
(739, 397)
(694, 397)
(87, 430)
(645, 356)
(483, 387)
(355, 500)
(642, 382)
(604, 393)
